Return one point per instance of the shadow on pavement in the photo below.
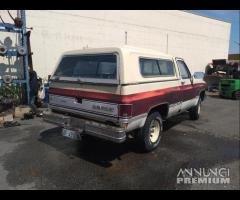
(201, 149)
(91, 149)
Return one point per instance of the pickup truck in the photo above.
(112, 93)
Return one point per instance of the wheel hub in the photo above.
(154, 131)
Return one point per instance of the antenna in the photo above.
(167, 44)
(126, 37)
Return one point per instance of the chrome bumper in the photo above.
(107, 132)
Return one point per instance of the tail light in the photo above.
(125, 110)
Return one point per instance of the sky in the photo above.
(232, 16)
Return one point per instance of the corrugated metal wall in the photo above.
(195, 38)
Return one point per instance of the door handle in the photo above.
(182, 82)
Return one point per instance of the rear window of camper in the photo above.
(88, 66)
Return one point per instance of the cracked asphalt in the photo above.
(36, 156)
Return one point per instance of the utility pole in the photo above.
(24, 39)
(19, 38)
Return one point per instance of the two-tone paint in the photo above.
(102, 100)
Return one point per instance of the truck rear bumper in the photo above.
(100, 130)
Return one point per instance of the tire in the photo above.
(194, 112)
(148, 140)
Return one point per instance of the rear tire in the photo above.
(194, 112)
(150, 134)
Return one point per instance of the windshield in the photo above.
(88, 66)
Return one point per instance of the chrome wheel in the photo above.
(154, 130)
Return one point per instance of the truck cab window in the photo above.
(184, 71)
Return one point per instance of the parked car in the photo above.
(198, 75)
(111, 93)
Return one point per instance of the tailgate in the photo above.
(96, 99)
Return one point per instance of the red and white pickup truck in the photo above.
(112, 92)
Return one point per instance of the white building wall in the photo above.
(195, 38)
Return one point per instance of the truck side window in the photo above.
(156, 67)
(166, 67)
(184, 71)
(149, 67)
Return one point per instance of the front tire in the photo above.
(150, 134)
(194, 112)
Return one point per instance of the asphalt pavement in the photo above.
(36, 156)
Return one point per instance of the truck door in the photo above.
(187, 89)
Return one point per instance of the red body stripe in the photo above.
(122, 98)
(142, 101)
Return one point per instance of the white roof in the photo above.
(125, 48)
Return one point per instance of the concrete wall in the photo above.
(195, 38)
